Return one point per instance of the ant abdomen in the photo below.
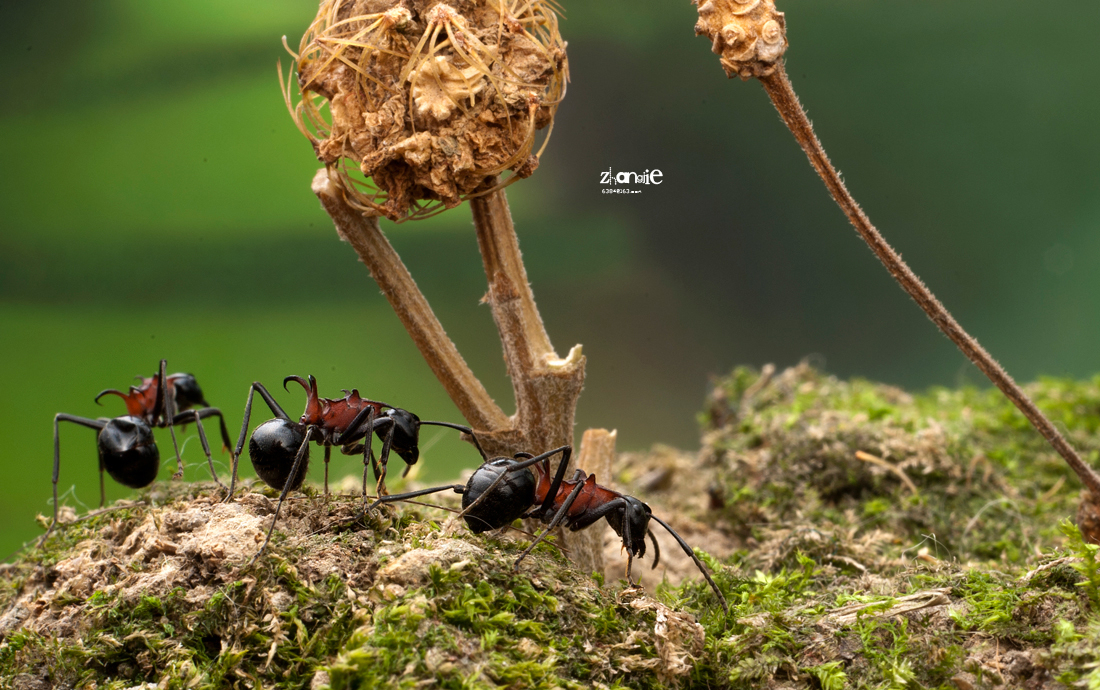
(273, 447)
(509, 500)
(129, 452)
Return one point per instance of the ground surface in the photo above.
(863, 537)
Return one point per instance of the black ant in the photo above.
(279, 448)
(127, 449)
(504, 489)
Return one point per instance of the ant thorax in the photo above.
(333, 415)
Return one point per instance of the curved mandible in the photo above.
(312, 412)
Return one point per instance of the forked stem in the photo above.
(779, 89)
(546, 386)
(410, 305)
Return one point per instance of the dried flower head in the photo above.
(750, 35)
(416, 103)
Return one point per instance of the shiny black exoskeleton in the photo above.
(127, 450)
(504, 489)
(279, 448)
(273, 447)
(508, 498)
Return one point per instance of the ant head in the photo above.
(632, 519)
(129, 452)
(509, 499)
(406, 434)
(272, 449)
(188, 393)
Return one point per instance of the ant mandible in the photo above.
(127, 449)
(279, 448)
(504, 489)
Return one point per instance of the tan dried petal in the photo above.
(438, 86)
(772, 32)
(744, 6)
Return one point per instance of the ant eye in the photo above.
(273, 447)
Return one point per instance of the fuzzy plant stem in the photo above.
(410, 305)
(546, 386)
(779, 89)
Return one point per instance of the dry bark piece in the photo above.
(414, 105)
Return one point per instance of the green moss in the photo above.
(944, 561)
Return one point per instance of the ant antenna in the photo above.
(687, 549)
(464, 429)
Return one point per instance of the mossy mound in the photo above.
(867, 472)
(166, 595)
(942, 561)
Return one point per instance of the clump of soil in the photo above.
(863, 537)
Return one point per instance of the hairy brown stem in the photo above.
(546, 387)
(410, 305)
(779, 88)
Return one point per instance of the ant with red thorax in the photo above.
(504, 489)
(279, 448)
(127, 449)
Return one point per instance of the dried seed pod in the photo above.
(416, 103)
(750, 35)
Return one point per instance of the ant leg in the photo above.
(364, 422)
(160, 399)
(236, 454)
(166, 409)
(555, 485)
(578, 477)
(391, 498)
(699, 564)
(208, 411)
(91, 424)
(196, 416)
(458, 489)
(286, 490)
(564, 450)
(383, 459)
(328, 453)
(628, 542)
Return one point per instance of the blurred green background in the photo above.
(155, 203)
